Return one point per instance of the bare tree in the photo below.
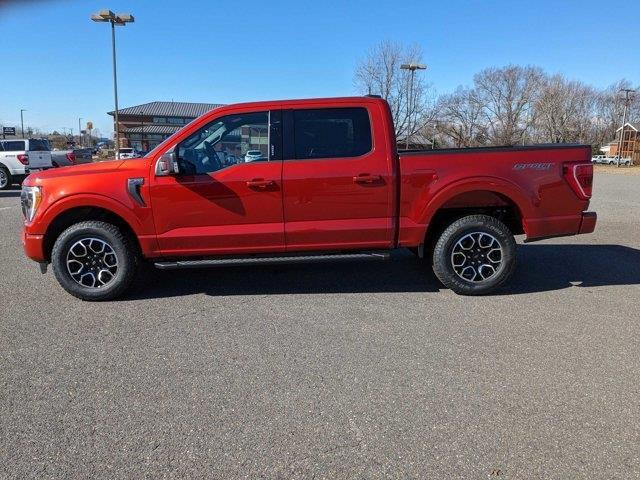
(564, 110)
(505, 106)
(461, 119)
(379, 73)
(508, 95)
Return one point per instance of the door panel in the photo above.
(228, 200)
(338, 202)
(219, 213)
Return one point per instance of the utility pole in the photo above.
(22, 121)
(627, 101)
(412, 67)
(80, 131)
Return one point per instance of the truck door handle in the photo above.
(260, 183)
(366, 178)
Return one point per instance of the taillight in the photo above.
(23, 158)
(72, 158)
(580, 178)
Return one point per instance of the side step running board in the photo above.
(225, 262)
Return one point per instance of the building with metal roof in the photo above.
(145, 126)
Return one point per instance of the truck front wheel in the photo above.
(94, 260)
(474, 255)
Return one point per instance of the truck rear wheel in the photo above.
(474, 255)
(94, 260)
(5, 178)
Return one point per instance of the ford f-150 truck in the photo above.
(329, 184)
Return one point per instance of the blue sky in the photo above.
(224, 52)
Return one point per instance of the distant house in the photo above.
(630, 143)
(417, 141)
(145, 126)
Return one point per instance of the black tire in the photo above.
(126, 260)
(4, 174)
(479, 232)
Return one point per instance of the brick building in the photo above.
(630, 143)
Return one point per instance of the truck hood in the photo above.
(73, 171)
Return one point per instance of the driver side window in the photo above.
(226, 141)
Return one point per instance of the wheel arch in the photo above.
(490, 196)
(64, 218)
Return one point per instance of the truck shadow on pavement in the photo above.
(10, 193)
(545, 267)
(541, 268)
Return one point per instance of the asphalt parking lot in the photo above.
(331, 371)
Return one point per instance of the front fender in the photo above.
(43, 220)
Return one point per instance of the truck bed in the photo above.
(530, 180)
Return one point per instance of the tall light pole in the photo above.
(120, 20)
(142, 130)
(627, 100)
(22, 121)
(80, 131)
(412, 67)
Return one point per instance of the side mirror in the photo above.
(167, 164)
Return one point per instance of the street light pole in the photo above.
(627, 98)
(22, 121)
(115, 88)
(80, 131)
(119, 19)
(142, 131)
(412, 67)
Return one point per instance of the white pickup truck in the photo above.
(19, 157)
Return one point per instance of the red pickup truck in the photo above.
(299, 181)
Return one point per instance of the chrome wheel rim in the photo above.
(92, 263)
(476, 257)
(3, 179)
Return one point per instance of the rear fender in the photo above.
(523, 201)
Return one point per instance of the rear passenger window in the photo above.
(14, 146)
(331, 133)
(38, 146)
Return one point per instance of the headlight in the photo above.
(30, 198)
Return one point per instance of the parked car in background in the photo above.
(83, 155)
(614, 160)
(598, 159)
(62, 158)
(76, 156)
(331, 185)
(128, 153)
(20, 157)
(623, 161)
(253, 155)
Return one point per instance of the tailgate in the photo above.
(39, 154)
(39, 159)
